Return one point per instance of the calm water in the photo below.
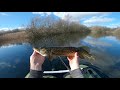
(14, 58)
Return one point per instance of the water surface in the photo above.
(14, 58)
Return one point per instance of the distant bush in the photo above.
(49, 26)
(100, 30)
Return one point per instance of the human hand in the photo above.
(36, 61)
(74, 61)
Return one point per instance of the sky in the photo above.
(13, 20)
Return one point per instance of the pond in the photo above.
(14, 58)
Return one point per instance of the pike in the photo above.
(83, 52)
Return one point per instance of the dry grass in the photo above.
(16, 37)
(117, 32)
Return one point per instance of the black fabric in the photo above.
(76, 73)
(36, 74)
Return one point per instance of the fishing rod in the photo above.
(64, 63)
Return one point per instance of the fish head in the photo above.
(46, 52)
(43, 51)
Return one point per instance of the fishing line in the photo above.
(64, 63)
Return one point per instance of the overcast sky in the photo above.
(11, 20)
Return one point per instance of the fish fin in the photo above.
(86, 48)
(81, 56)
(93, 58)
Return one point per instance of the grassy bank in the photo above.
(116, 32)
(15, 37)
(99, 31)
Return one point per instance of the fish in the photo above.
(51, 52)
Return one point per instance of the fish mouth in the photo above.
(36, 50)
(40, 52)
(43, 54)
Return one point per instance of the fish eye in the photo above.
(43, 50)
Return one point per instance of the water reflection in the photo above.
(106, 50)
(60, 40)
(14, 58)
